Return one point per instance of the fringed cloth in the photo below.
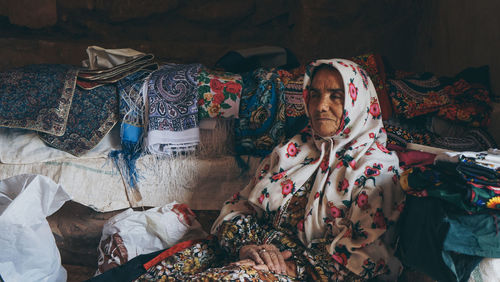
(131, 129)
(171, 102)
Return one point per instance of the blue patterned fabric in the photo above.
(37, 97)
(132, 122)
(172, 96)
(92, 115)
(261, 123)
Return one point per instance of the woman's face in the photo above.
(326, 101)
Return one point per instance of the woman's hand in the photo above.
(268, 255)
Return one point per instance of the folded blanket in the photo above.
(37, 97)
(171, 102)
(92, 115)
(219, 94)
(261, 122)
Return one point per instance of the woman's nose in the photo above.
(323, 104)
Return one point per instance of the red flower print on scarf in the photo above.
(353, 91)
(278, 176)
(343, 185)
(371, 135)
(292, 150)
(233, 87)
(201, 102)
(372, 171)
(234, 199)
(324, 165)
(375, 109)
(382, 148)
(352, 164)
(261, 198)
(216, 86)
(334, 211)
(364, 77)
(266, 168)
(264, 194)
(316, 195)
(353, 69)
(362, 200)
(342, 64)
(287, 187)
(379, 221)
(300, 225)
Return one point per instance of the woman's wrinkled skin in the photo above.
(326, 101)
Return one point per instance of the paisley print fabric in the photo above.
(355, 198)
(172, 97)
(92, 115)
(219, 94)
(37, 97)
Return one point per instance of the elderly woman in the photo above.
(322, 205)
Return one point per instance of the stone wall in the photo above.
(456, 34)
(58, 31)
(442, 36)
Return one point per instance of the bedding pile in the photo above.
(452, 209)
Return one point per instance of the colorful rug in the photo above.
(92, 115)
(37, 97)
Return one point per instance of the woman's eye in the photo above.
(336, 96)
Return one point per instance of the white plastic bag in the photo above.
(132, 233)
(28, 251)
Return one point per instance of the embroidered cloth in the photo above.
(172, 95)
(37, 97)
(92, 115)
(355, 197)
(261, 121)
(219, 94)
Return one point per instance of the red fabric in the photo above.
(170, 251)
(410, 158)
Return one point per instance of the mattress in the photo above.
(203, 184)
(203, 181)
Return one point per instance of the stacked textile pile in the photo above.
(63, 129)
(444, 112)
(451, 212)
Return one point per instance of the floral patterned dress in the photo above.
(333, 201)
(209, 260)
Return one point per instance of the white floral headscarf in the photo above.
(355, 195)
